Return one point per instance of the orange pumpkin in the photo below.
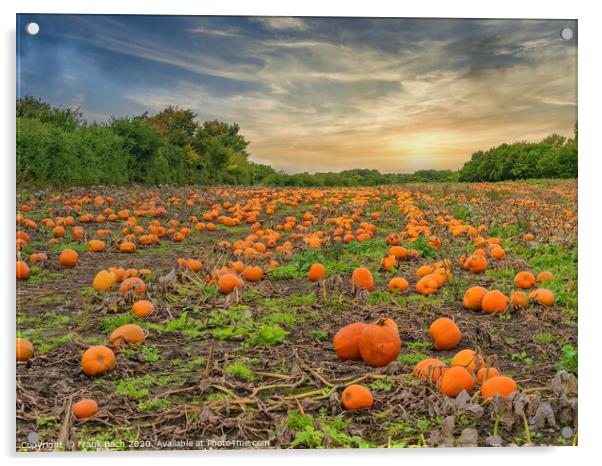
(468, 359)
(454, 380)
(346, 341)
(379, 343)
(500, 385)
(253, 273)
(24, 350)
(135, 284)
(357, 397)
(445, 334)
(476, 263)
(486, 373)
(398, 284)
(126, 335)
(68, 258)
(23, 272)
(361, 278)
(543, 296)
(195, 265)
(473, 298)
(97, 360)
(316, 272)
(143, 308)
(103, 281)
(428, 285)
(519, 300)
(544, 277)
(431, 366)
(228, 282)
(524, 280)
(494, 301)
(96, 245)
(84, 409)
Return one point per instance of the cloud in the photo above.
(322, 94)
(281, 23)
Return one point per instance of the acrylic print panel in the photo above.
(291, 232)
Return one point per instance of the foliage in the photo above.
(553, 157)
(55, 146)
(569, 361)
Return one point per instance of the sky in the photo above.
(317, 94)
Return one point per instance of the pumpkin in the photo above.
(544, 277)
(361, 279)
(68, 258)
(127, 247)
(388, 262)
(467, 358)
(24, 350)
(528, 236)
(194, 265)
(379, 343)
(431, 366)
(38, 257)
(494, 301)
(424, 270)
(346, 341)
(21, 235)
(543, 296)
(524, 280)
(103, 281)
(85, 408)
(97, 360)
(119, 273)
(427, 285)
(497, 253)
(399, 252)
(398, 284)
(126, 335)
(96, 245)
(228, 282)
(499, 385)
(487, 373)
(454, 380)
(476, 263)
(134, 284)
(253, 273)
(445, 334)
(473, 298)
(519, 300)
(58, 232)
(357, 397)
(316, 272)
(143, 308)
(23, 271)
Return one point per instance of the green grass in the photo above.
(240, 370)
(312, 433)
(569, 360)
(411, 359)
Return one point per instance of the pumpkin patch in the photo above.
(290, 299)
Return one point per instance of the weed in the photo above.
(240, 371)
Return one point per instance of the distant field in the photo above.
(257, 365)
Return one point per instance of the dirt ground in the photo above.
(261, 372)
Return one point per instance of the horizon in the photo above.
(430, 92)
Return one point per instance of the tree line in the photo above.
(553, 157)
(56, 146)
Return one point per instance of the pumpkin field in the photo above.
(189, 317)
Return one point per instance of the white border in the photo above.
(590, 196)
